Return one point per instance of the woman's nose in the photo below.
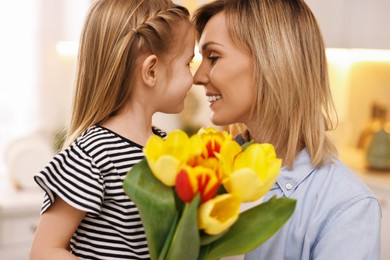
(200, 77)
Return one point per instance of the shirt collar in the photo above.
(289, 179)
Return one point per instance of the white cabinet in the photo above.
(19, 214)
(353, 23)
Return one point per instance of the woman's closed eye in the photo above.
(213, 58)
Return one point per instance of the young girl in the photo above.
(133, 62)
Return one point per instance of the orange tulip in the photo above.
(193, 180)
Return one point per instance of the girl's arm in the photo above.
(55, 229)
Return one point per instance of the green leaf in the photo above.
(203, 251)
(246, 145)
(185, 243)
(206, 239)
(155, 203)
(253, 227)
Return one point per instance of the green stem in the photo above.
(168, 241)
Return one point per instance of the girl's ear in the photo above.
(149, 70)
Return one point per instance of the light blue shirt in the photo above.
(336, 217)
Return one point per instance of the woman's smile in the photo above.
(213, 98)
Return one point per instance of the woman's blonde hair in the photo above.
(115, 34)
(294, 103)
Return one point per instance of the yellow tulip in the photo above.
(219, 146)
(218, 214)
(166, 157)
(212, 141)
(196, 150)
(254, 172)
(229, 152)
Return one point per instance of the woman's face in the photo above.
(226, 72)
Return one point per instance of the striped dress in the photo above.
(89, 175)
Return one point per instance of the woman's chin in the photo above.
(219, 120)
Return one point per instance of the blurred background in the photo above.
(38, 50)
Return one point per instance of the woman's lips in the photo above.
(213, 98)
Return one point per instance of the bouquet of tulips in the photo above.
(189, 191)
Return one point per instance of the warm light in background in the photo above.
(19, 71)
(67, 48)
(351, 73)
(357, 55)
(191, 4)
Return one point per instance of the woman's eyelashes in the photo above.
(213, 58)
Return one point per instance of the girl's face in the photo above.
(176, 77)
(226, 72)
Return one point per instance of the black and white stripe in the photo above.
(89, 175)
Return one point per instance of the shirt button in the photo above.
(289, 186)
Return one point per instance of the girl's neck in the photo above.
(136, 127)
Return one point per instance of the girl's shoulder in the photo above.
(97, 139)
(92, 136)
(94, 131)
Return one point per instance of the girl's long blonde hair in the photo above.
(115, 34)
(294, 107)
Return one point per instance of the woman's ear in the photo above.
(149, 70)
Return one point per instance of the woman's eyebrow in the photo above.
(206, 45)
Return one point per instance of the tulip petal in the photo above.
(246, 184)
(186, 185)
(154, 148)
(177, 144)
(229, 151)
(166, 169)
(218, 214)
(196, 145)
(252, 157)
(208, 183)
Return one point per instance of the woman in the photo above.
(264, 67)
